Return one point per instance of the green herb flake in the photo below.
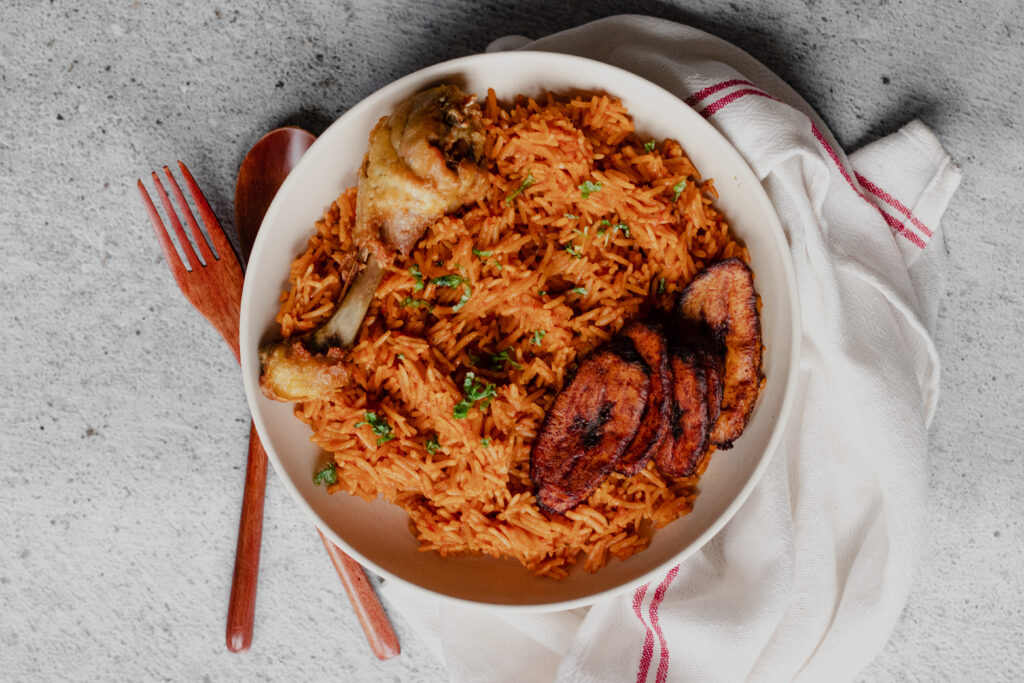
(537, 336)
(400, 356)
(485, 442)
(417, 277)
(527, 181)
(450, 280)
(574, 251)
(497, 360)
(649, 146)
(623, 227)
(605, 221)
(416, 303)
(466, 293)
(571, 216)
(326, 475)
(677, 190)
(588, 188)
(582, 291)
(542, 292)
(482, 254)
(432, 445)
(378, 425)
(661, 286)
(473, 393)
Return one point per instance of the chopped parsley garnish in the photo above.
(417, 277)
(497, 360)
(542, 292)
(379, 426)
(677, 190)
(466, 293)
(326, 475)
(482, 255)
(485, 442)
(582, 291)
(454, 280)
(623, 227)
(450, 280)
(416, 303)
(574, 251)
(605, 221)
(527, 181)
(571, 216)
(649, 146)
(432, 445)
(588, 188)
(537, 336)
(661, 286)
(473, 392)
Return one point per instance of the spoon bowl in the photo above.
(263, 170)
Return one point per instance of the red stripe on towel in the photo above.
(893, 202)
(659, 595)
(712, 89)
(647, 652)
(718, 104)
(893, 222)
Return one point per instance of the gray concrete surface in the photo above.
(124, 422)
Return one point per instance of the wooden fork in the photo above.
(214, 286)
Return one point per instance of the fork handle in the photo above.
(242, 605)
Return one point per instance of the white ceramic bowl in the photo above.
(377, 533)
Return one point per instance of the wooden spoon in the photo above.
(263, 170)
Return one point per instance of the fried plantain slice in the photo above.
(688, 437)
(723, 299)
(591, 422)
(714, 366)
(651, 344)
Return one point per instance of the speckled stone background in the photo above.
(124, 422)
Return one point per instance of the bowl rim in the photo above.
(249, 342)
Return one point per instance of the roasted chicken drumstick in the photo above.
(421, 164)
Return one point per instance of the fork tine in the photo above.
(166, 245)
(197, 234)
(213, 227)
(183, 242)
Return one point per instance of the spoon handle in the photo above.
(372, 616)
(242, 604)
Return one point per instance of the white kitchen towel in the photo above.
(807, 580)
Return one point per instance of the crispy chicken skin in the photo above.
(421, 164)
(688, 437)
(589, 425)
(722, 299)
(291, 373)
(652, 346)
